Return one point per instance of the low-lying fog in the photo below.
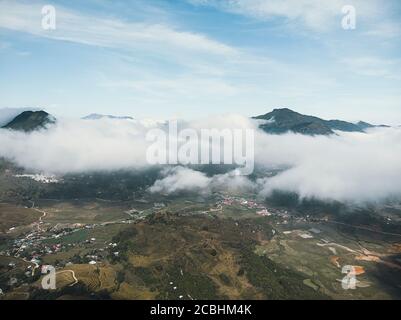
(346, 167)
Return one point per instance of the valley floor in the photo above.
(226, 247)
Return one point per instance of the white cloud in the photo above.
(105, 32)
(312, 14)
(348, 167)
(184, 86)
(351, 167)
(78, 145)
(374, 66)
(232, 182)
(179, 179)
(385, 30)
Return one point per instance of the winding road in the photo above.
(73, 275)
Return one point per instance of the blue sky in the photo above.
(191, 58)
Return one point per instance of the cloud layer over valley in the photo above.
(355, 167)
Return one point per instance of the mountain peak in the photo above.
(279, 112)
(275, 110)
(30, 120)
(282, 120)
(97, 116)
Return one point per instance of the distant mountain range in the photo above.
(276, 122)
(30, 120)
(285, 120)
(96, 116)
(33, 120)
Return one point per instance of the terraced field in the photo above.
(12, 216)
(186, 249)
